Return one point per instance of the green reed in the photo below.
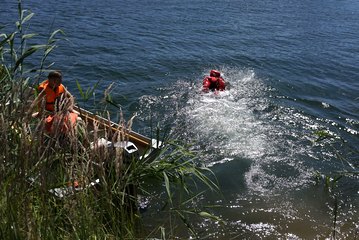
(348, 157)
(33, 164)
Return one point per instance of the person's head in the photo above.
(55, 78)
(214, 73)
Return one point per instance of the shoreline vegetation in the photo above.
(33, 164)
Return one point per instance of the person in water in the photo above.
(213, 82)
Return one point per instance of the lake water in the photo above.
(293, 69)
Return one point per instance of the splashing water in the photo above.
(235, 124)
(225, 123)
(258, 148)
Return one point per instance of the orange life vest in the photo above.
(68, 122)
(51, 95)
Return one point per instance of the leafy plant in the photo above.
(86, 95)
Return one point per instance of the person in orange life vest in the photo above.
(63, 120)
(51, 92)
(61, 123)
(57, 103)
(213, 82)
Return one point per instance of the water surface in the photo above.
(293, 68)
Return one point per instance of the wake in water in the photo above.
(239, 123)
(225, 124)
(247, 124)
(263, 153)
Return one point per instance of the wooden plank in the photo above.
(139, 140)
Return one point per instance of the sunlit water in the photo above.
(264, 155)
(293, 69)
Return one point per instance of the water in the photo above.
(293, 68)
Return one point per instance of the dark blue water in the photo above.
(293, 67)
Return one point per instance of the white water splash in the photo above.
(272, 146)
(239, 123)
(226, 121)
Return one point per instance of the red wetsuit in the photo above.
(213, 84)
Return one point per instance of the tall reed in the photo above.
(36, 168)
(348, 157)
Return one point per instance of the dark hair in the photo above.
(55, 74)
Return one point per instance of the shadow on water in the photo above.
(262, 153)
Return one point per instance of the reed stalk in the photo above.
(36, 167)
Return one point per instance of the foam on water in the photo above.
(263, 151)
(235, 124)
